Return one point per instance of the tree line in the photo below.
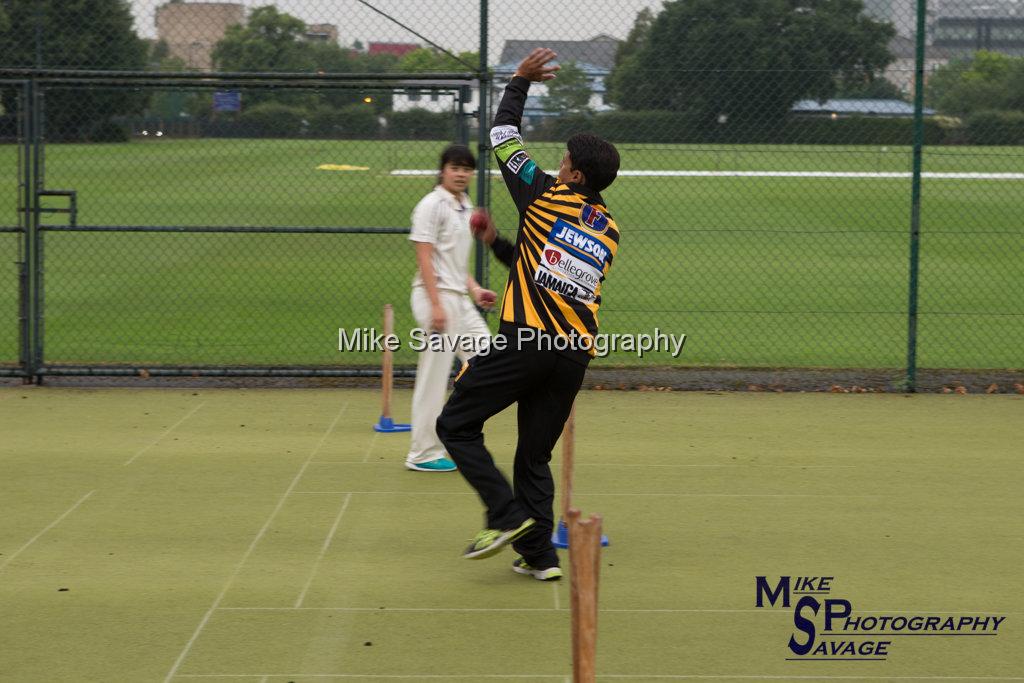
(719, 64)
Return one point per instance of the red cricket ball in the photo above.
(478, 222)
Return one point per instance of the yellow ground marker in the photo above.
(341, 167)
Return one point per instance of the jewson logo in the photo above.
(580, 245)
(827, 629)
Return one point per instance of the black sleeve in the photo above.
(504, 250)
(524, 179)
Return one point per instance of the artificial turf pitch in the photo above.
(271, 535)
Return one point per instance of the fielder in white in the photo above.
(441, 302)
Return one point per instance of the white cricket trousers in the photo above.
(433, 368)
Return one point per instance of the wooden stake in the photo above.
(386, 366)
(568, 457)
(585, 561)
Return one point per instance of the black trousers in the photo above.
(544, 384)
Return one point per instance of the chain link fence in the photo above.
(786, 201)
(239, 239)
(972, 235)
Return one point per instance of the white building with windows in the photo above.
(966, 26)
(434, 99)
(596, 57)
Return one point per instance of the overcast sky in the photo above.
(454, 23)
(451, 23)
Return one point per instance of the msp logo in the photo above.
(827, 628)
(592, 219)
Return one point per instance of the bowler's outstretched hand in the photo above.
(536, 68)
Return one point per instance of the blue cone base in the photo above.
(560, 538)
(387, 425)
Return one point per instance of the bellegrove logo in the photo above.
(827, 629)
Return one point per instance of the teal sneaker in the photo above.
(490, 541)
(550, 574)
(439, 465)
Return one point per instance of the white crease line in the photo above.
(760, 677)
(591, 494)
(252, 546)
(50, 526)
(323, 551)
(745, 495)
(509, 463)
(166, 432)
(393, 609)
(444, 677)
(812, 678)
(554, 587)
(752, 610)
(740, 466)
(637, 676)
(417, 493)
(366, 457)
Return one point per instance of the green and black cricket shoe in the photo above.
(550, 574)
(490, 541)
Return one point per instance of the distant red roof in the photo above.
(396, 49)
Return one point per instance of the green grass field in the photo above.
(270, 535)
(758, 271)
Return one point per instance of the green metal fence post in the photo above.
(915, 200)
(25, 223)
(461, 122)
(31, 236)
(34, 240)
(37, 26)
(483, 144)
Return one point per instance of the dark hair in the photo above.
(594, 157)
(459, 155)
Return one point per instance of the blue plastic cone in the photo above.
(560, 538)
(387, 425)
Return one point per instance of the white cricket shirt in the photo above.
(443, 221)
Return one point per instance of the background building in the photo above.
(396, 49)
(192, 29)
(966, 26)
(322, 33)
(595, 56)
(902, 14)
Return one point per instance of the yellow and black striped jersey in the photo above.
(566, 243)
